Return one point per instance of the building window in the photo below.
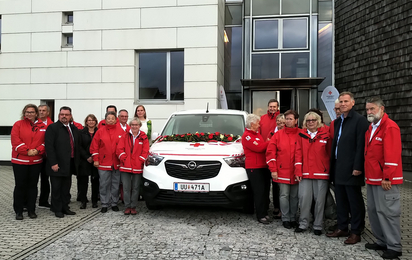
(68, 18)
(67, 40)
(280, 34)
(160, 75)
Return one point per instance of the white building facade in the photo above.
(167, 55)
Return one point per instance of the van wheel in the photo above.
(151, 206)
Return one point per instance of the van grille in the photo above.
(192, 170)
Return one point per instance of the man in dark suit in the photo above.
(347, 169)
(62, 143)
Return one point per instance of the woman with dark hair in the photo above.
(280, 157)
(132, 151)
(27, 140)
(86, 168)
(312, 157)
(146, 127)
(103, 150)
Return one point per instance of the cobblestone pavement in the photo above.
(178, 232)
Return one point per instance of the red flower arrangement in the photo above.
(199, 137)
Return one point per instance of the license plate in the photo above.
(190, 187)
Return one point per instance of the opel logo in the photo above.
(191, 165)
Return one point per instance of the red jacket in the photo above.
(254, 148)
(268, 124)
(332, 129)
(26, 135)
(280, 154)
(48, 122)
(103, 147)
(312, 156)
(132, 156)
(127, 127)
(383, 158)
(77, 125)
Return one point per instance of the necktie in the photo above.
(71, 142)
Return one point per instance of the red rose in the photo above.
(211, 136)
(217, 133)
(182, 136)
(188, 134)
(229, 138)
(202, 134)
(197, 134)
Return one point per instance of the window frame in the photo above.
(168, 76)
(280, 33)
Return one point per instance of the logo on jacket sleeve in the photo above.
(248, 138)
(378, 139)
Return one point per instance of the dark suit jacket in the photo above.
(86, 168)
(58, 149)
(350, 150)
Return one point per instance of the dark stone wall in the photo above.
(373, 50)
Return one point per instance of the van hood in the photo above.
(197, 149)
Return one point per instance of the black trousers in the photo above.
(349, 200)
(260, 183)
(60, 191)
(44, 184)
(83, 185)
(26, 178)
(275, 195)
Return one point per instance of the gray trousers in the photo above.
(384, 210)
(310, 189)
(288, 200)
(131, 184)
(109, 187)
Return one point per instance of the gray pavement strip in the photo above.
(220, 234)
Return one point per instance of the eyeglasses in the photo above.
(65, 114)
(311, 120)
(30, 112)
(134, 125)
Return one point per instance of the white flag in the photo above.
(329, 95)
(222, 98)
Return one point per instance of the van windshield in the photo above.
(205, 123)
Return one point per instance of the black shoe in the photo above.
(59, 214)
(287, 225)
(32, 214)
(84, 205)
(264, 221)
(115, 208)
(94, 205)
(104, 210)
(299, 230)
(69, 212)
(19, 216)
(44, 205)
(375, 246)
(391, 254)
(317, 232)
(294, 224)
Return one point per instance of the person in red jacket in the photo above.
(108, 109)
(268, 121)
(132, 151)
(254, 147)
(280, 157)
(103, 150)
(383, 173)
(27, 141)
(312, 155)
(44, 113)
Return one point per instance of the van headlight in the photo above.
(235, 161)
(153, 159)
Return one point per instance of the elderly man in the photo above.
(346, 169)
(268, 121)
(123, 117)
(44, 115)
(383, 172)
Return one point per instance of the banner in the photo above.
(222, 98)
(329, 95)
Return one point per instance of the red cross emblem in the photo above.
(330, 92)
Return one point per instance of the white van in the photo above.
(198, 159)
